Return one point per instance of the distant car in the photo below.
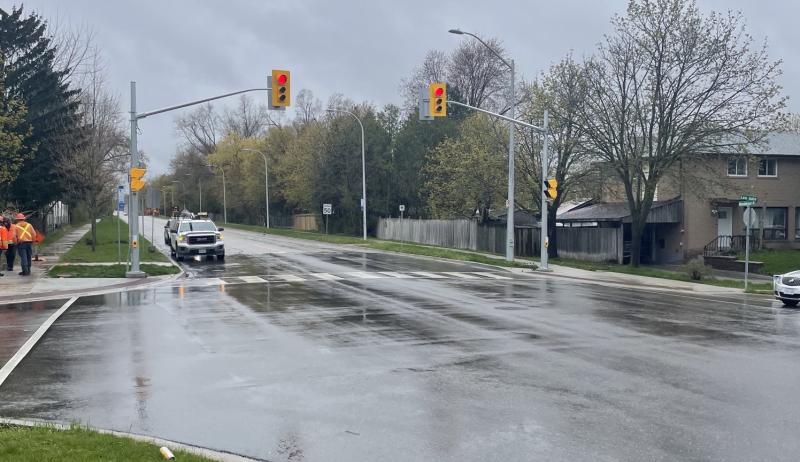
(787, 288)
(166, 231)
(189, 237)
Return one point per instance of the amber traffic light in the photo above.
(137, 183)
(551, 188)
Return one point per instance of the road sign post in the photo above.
(402, 209)
(327, 210)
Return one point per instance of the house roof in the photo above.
(777, 144)
(660, 212)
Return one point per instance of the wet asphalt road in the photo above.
(307, 351)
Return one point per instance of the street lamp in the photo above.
(224, 201)
(510, 223)
(363, 170)
(266, 181)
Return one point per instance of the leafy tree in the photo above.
(14, 132)
(670, 83)
(31, 75)
(466, 173)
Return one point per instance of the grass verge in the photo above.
(106, 246)
(753, 287)
(776, 261)
(29, 444)
(391, 246)
(105, 271)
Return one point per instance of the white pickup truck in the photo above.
(193, 237)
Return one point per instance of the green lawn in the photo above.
(776, 261)
(311, 235)
(115, 271)
(26, 444)
(106, 249)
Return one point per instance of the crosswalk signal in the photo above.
(280, 95)
(437, 105)
(550, 188)
(137, 183)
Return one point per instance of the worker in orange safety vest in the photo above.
(5, 237)
(11, 233)
(26, 235)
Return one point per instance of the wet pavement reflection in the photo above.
(18, 321)
(445, 368)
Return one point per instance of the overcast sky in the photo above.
(180, 50)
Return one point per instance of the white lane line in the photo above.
(252, 279)
(398, 275)
(429, 275)
(326, 276)
(287, 277)
(364, 275)
(28, 346)
(460, 275)
(490, 275)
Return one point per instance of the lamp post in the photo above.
(224, 200)
(512, 110)
(266, 182)
(363, 170)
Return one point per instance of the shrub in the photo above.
(697, 269)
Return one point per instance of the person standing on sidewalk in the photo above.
(25, 236)
(3, 237)
(11, 235)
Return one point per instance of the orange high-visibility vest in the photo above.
(3, 237)
(11, 234)
(25, 232)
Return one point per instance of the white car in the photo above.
(787, 288)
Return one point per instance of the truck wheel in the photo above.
(221, 256)
(790, 303)
(179, 257)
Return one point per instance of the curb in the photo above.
(221, 456)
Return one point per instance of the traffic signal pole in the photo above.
(133, 206)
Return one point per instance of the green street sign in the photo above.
(748, 198)
(746, 204)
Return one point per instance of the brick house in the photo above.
(708, 190)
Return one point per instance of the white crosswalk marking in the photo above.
(460, 275)
(429, 275)
(251, 279)
(288, 277)
(491, 275)
(397, 275)
(326, 276)
(363, 275)
(214, 281)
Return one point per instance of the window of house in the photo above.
(775, 223)
(737, 166)
(797, 223)
(768, 167)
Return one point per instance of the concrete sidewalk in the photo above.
(14, 287)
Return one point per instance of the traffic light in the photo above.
(281, 85)
(137, 183)
(437, 106)
(550, 188)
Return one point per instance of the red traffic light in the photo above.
(282, 79)
(439, 91)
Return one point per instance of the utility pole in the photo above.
(133, 202)
(545, 242)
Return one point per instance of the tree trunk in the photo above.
(552, 234)
(637, 229)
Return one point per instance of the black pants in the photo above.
(10, 255)
(25, 249)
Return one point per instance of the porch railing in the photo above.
(730, 245)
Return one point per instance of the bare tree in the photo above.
(432, 69)
(200, 129)
(669, 84)
(94, 170)
(308, 109)
(561, 91)
(247, 120)
(479, 76)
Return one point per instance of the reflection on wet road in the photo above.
(407, 366)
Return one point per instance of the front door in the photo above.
(724, 221)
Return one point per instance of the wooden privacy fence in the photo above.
(459, 234)
(592, 244)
